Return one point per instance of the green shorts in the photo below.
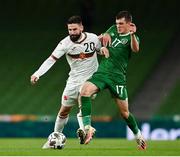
(116, 85)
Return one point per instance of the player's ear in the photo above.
(82, 28)
(129, 23)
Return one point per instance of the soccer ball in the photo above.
(57, 140)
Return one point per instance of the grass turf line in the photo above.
(98, 147)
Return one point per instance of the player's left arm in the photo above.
(134, 38)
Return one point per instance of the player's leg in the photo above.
(79, 115)
(80, 120)
(131, 122)
(129, 118)
(69, 99)
(92, 86)
(61, 121)
(62, 118)
(87, 91)
(81, 133)
(121, 97)
(119, 91)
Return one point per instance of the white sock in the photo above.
(138, 135)
(60, 123)
(80, 121)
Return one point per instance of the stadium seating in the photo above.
(170, 106)
(27, 49)
(28, 39)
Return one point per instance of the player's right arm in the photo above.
(134, 38)
(49, 62)
(105, 38)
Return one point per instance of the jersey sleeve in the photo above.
(60, 50)
(98, 45)
(112, 29)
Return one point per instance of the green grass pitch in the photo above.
(98, 147)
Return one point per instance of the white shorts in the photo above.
(70, 94)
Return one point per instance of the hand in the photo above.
(34, 79)
(105, 52)
(132, 28)
(105, 39)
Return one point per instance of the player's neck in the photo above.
(81, 37)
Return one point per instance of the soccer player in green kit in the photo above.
(111, 74)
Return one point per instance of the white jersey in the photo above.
(81, 56)
(83, 62)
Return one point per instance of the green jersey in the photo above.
(120, 52)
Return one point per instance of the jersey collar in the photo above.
(124, 34)
(83, 37)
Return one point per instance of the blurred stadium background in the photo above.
(31, 29)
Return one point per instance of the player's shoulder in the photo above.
(89, 34)
(65, 40)
(65, 43)
(91, 37)
(112, 28)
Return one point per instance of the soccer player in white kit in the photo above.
(80, 49)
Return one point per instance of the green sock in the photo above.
(131, 122)
(86, 110)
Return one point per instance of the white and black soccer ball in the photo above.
(57, 140)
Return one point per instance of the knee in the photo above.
(86, 91)
(63, 114)
(125, 114)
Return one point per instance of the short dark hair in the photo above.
(74, 19)
(124, 14)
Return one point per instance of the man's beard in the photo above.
(75, 37)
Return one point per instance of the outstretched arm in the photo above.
(47, 64)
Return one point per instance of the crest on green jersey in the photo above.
(124, 41)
